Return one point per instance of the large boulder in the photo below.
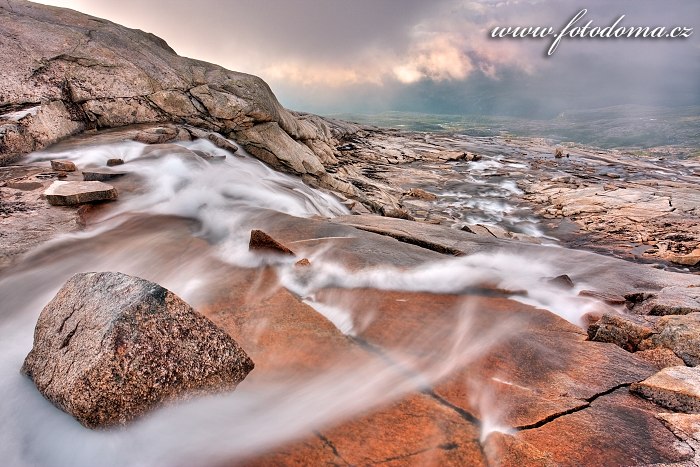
(109, 347)
(66, 72)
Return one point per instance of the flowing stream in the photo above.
(173, 185)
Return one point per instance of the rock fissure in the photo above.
(328, 443)
(588, 402)
(437, 247)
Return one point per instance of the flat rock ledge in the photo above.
(676, 388)
(71, 193)
(110, 347)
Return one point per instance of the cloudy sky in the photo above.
(429, 56)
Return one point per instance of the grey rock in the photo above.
(109, 347)
(70, 193)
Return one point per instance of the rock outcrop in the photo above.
(677, 333)
(109, 347)
(66, 72)
(676, 388)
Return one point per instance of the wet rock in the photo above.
(109, 347)
(610, 299)
(260, 241)
(558, 153)
(157, 135)
(669, 301)
(71, 193)
(101, 175)
(507, 450)
(676, 388)
(417, 430)
(209, 156)
(617, 429)
(302, 263)
(115, 161)
(63, 166)
(563, 281)
(222, 142)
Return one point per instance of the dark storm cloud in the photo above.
(331, 55)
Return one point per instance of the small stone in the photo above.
(109, 347)
(302, 263)
(113, 162)
(222, 142)
(260, 241)
(558, 153)
(100, 175)
(676, 388)
(62, 175)
(397, 213)
(157, 135)
(71, 193)
(64, 166)
(562, 281)
(422, 194)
